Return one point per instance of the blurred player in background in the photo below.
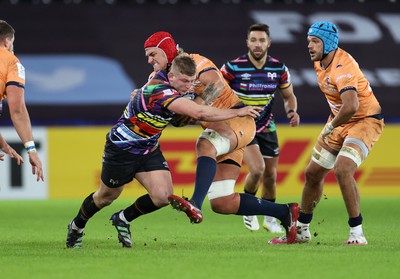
(255, 77)
(354, 125)
(132, 150)
(220, 147)
(12, 87)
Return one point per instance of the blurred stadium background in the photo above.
(83, 58)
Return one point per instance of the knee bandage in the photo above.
(221, 189)
(351, 153)
(221, 144)
(323, 158)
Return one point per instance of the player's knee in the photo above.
(217, 205)
(159, 191)
(219, 194)
(270, 175)
(104, 201)
(201, 144)
(255, 176)
(340, 174)
(311, 176)
(105, 196)
(160, 202)
(257, 171)
(222, 205)
(323, 157)
(344, 171)
(220, 143)
(350, 153)
(160, 199)
(221, 188)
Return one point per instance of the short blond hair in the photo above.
(184, 64)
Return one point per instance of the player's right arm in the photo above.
(198, 112)
(19, 113)
(290, 105)
(22, 123)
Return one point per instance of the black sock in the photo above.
(141, 206)
(305, 218)
(356, 221)
(205, 173)
(270, 200)
(87, 210)
(250, 205)
(247, 192)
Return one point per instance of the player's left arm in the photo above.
(290, 105)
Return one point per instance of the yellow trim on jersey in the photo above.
(152, 120)
(251, 101)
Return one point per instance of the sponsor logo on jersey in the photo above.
(271, 75)
(261, 87)
(246, 76)
(343, 76)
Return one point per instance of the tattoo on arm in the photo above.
(210, 93)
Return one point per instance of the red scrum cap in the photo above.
(165, 42)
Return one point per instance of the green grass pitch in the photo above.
(166, 245)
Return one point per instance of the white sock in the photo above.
(268, 218)
(356, 230)
(74, 227)
(300, 224)
(122, 217)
